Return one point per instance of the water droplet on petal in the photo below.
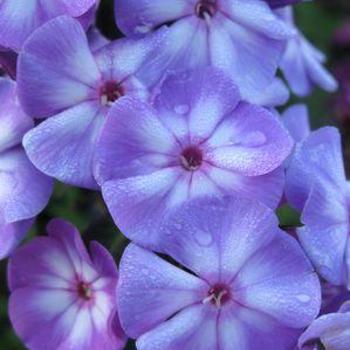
(304, 298)
(142, 29)
(254, 139)
(204, 239)
(182, 109)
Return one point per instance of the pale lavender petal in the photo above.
(24, 191)
(296, 120)
(45, 88)
(320, 155)
(245, 329)
(199, 99)
(237, 50)
(139, 204)
(325, 234)
(14, 123)
(151, 290)
(133, 142)
(216, 249)
(138, 17)
(332, 330)
(259, 17)
(250, 142)
(11, 235)
(193, 328)
(278, 280)
(20, 18)
(63, 146)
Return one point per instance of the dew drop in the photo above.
(204, 239)
(303, 298)
(254, 139)
(182, 109)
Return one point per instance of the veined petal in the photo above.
(193, 328)
(24, 191)
(151, 290)
(63, 146)
(45, 88)
(14, 123)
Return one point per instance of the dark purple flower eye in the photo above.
(206, 8)
(218, 295)
(191, 158)
(84, 291)
(111, 91)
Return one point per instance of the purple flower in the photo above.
(18, 19)
(244, 38)
(74, 94)
(331, 331)
(316, 185)
(196, 140)
(24, 191)
(245, 283)
(62, 297)
(302, 64)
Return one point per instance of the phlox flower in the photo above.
(196, 139)
(62, 297)
(24, 191)
(244, 38)
(244, 284)
(63, 81)
(302, 63)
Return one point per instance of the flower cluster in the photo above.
(177, 125)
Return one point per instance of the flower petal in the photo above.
(138, 17)
(202, 98)
(24, 191)
(237, 50)
(216, 249)
(325, 234)
(193, 328)
(296, 120)
(45, 88)
(243, 328)
(277, 279)
(250, 141)
(133, 142)
(151, 290)
(11, 235)
(13, 121)
(319, 156)
(63, 146)
(332, 330)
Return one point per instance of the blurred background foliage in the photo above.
(319, 21)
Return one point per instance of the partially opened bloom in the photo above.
(244, 38)
(62, 297)
(245, 284)
(302, 63)
(316, 185)
(59, 78)
(331, 331)
(24, 191)
(196, 139)
(18, 19)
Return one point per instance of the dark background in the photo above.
(318, 20)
